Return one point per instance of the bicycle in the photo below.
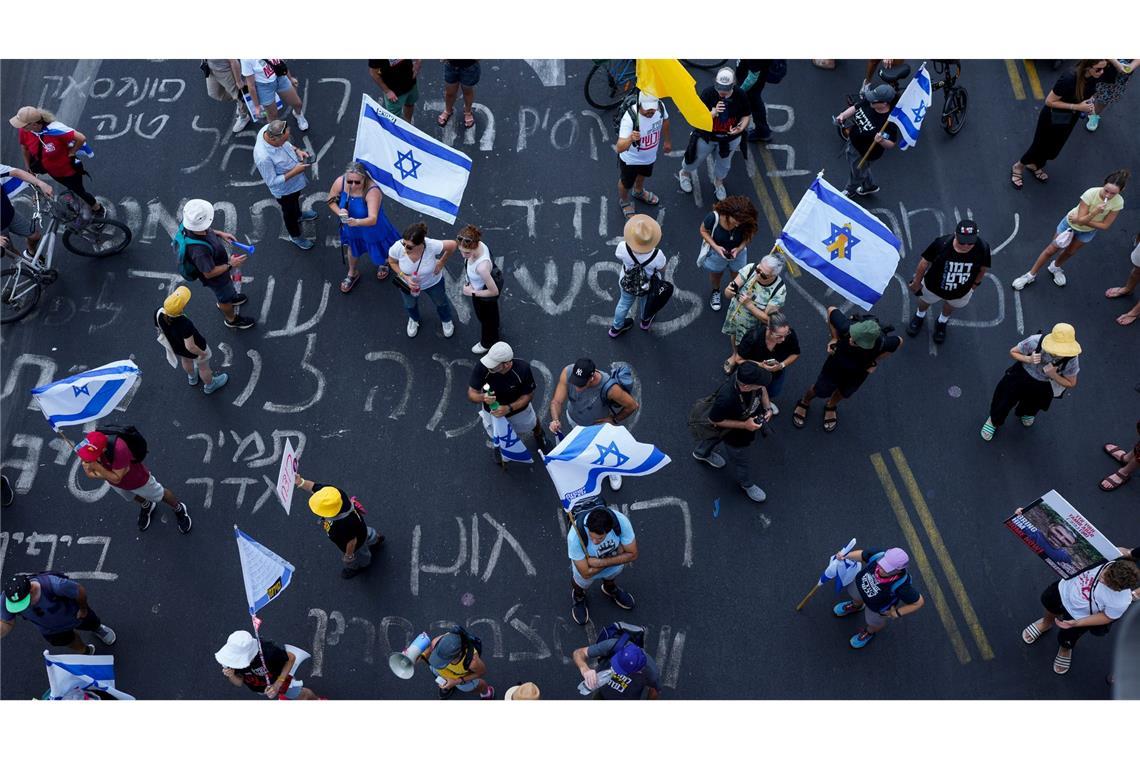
(893, 75)
(706, 64)
(25, 275)
(609, 81)
(955, 98)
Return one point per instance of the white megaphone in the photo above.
(403, 664)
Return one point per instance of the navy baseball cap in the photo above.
(581, 372)
(629, 660)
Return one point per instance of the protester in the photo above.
(357, 202)
(773, 347)
(1129, 286)
(590, 397)
(51, 147)
(867, 137)
(741, 409)
(882, 588)
(635, 674)
(265, 671)
(118, 462)
(459, 72)
(268, 78)
(1129, 461)
(282, 166)
(57, 606)
(725, 234)
(418, 262)
(396, 78)
(753, 74)
(754, 295)
(641, 261)
(522, 691)
(480, 284)
(856, 347)
(1110, 88)
(729, 108)
(505, 387)
(224, 82)
(600, 543)
(1071, 95)
(12, 222)
(182, 340)
(949, 270)
(1097, 210)
(342, 518)
(210, 261)
(637, 147)
(454, 658)
(1087, 603)
(1046, 366)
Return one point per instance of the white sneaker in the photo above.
(720, 192)
(1023, 280)
(302, 123)
(478, 348)
(615, 482)
(413, 327)
(106, 635)
(448, 329)
(1059, 278)
(241, 121)
(775, 409)
(686, 181)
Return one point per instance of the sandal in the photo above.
(1116, 293)
(468, 120)
(988, 430)
(1115, 452)
(349, 282)
(1016, 178)
(1125, 319)
(799, 414)
(627, 209)
(829, 425)
(1062, 663)
(728, 366)
(382, 273)
(647, 197)
(1114, 481)
(444, 118)
(1032, 632)
(1039, 174)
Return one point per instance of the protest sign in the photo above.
(1061, 536)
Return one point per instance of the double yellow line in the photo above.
(775, 221)
(1030, 74)
(940, 552)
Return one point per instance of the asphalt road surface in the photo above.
(386, 417)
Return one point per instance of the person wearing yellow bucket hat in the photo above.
(342, 518)
(1045, 368)
(184, 343)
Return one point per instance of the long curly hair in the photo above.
(740, 209)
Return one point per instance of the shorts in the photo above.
(294, 690)
(224, 289)
(826, 384)
(1084, 237)
(1136, 256)
(714, 262)
(267, 91)
(220, 85)
(585, 583)
(874, 619)
(1051, 600)
(630, 172)
(151, 490)
(522, 422)
(409, 98)
(468, 76)
(956, 303)
(20, 226)
(90, 623)
(469, 686)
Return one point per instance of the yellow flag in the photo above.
(667, 78)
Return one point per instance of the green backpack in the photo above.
(181, 243)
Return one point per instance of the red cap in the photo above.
(92, 446)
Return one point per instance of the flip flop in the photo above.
(444, 118)
(348, 283)
(647, 197)
(1116, 293)
(1125, 319)
(1115, 452)
(1031, 633)
(728, 366)
(1114, 481)
(1062, 663)
(382, 273)
(468, 120)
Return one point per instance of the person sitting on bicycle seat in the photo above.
(868, 137)
(730, 118)
(12, 222)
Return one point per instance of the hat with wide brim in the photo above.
(326, 502)
(642, 233)
(526, 690)
(239, 651)
(1062, 341)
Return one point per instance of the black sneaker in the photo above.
(939, 331)
(182, 516)
(915, 325)
(447, 693)
(351, 572)
(240, 323)
(626, 326)
(90, 649)
(144, 515)
(580, 612)
(241, 300)
(620, 597)
(867, 189)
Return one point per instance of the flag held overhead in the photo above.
(909, 113)
(265, 574)
(89, 395)
(578, 462)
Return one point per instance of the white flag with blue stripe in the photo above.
(12, 185)
(411, 167)
(842, 244)
(504, 437)
(89, 395)
(909, 113)
(578, 462)
(81, 676)
(263, 572)
(842, 571)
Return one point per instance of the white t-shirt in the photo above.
(654, 265)
(424, 269)
(260, 68)
(1136, 256)
(473, 276)
(649, 127)
(1075, 596)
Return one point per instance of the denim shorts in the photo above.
(1084, 237)
(20, 226)
(714, 262)
(224, 290)
(467, 76)
(267, 91)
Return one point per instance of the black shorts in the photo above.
(827, 383)
(630, 172)
(89, 623)
(1051, 600)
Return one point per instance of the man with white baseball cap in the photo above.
(504, 386)
(637, 149)
(266, 672)
(202, 256)
(882, 588)
(731, 115)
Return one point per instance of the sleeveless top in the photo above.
(476, 279)
(374, 240)
(586, 405)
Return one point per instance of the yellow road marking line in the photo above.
(1015, 79)
(956, 586)
(919, 555)
(784, 199)
(764, 198)
(1034, 82)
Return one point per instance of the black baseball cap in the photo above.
(966, 233)
(751, 373)
(18, 593)
(581, 372)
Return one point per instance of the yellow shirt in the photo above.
(1092, 199)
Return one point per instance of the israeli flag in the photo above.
(264, 574)
(841, 571)
(578, 463)
(841, 244)
(81, 676)
(59, 128)
(909, 113)
(504, 437)
(411, 168)
(11, 185)
(89, 395)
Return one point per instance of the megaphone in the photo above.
(403, 664)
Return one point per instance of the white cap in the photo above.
(725, 77)
(646, 100)
(198, 215)
(497, 354)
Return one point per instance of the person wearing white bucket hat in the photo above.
(203, 256)
(266, 672)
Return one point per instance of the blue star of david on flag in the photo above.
(579, 463)
(605, 451)
(508, 440)
(919, 113)
(910, 111)
(841, 242)
(81, 389)
(415, 165)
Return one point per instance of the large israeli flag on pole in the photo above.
(578, 462)
(411, 168)
(841, 244)
(264, 573)
(81, 676)
(89, 395)
(909, 113)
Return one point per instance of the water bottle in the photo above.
(414, 285)
(603, 678)
(494, 403)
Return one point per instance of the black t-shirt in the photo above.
(255, 674)
(753, 345)
(1065, 88)
(748, 65)
(735, 108)
(177, 330)
(459, 63)
(727, 239)
(347, 525)
(396, 73)
(205, 258)
(951, 274)
(849, 362)
(507, 387)
(733, 404)
(876, 591)
(867, 122)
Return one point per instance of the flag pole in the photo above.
(810, 594)
(863, 160)
(260, 653)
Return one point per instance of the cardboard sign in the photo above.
(285, 476)
(1056, 532)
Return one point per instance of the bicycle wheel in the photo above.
(602, 90)
(98, 239)
(19, 294)
(954, 112)
(706, 64)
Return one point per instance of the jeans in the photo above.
(291, 211)
(859, 177)
(737, 457)
(438, 295)
(624, 304)
(776, 385)
(487, 312)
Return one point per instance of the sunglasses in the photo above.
(408, 246)
(1098, 70)
(464, 240)
(354, 182)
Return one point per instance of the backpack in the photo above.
(620, 374)
(136, 444)
(700, 426)
(625, 633)
(181, 243)
(777, 70)
(628, 105)
(581, 509)
(635, 281)
(472, 645)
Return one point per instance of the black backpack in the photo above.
(136, 444)
(581, 509)
(472, 645)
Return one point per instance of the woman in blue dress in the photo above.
(355, 199)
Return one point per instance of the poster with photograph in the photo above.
(1061, 536)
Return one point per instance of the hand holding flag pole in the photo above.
(841, 570)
